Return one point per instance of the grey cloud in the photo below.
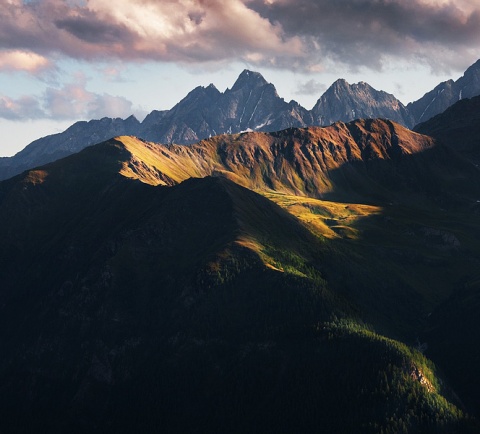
(52, 27)
(94, 31)
(19, 109)
(368, 32)
(75, 102)
(196, 17)
(311, 87)
(111, 106)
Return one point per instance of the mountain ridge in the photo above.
(141, 286)
(252, 104)
(341, 161)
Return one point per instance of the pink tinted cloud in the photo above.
(74, 101)
(19, 60)
(71, 101)
(180, 30)
(292, 34)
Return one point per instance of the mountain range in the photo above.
(319, 278)
(276, 276)
(252, 104)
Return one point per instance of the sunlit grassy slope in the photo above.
(401, 209)
(326, 218)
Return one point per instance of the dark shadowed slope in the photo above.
(458, 127)
(453, 332)
(202, 306)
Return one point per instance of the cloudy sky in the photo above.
(68, 60)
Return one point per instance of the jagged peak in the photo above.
(249, 79)
(211, 86)
(339, 83)
(363, 85)
(132, 118)
(198, 92)
(341, 86)
(294, 103)
(204, 89)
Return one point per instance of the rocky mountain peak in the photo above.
(340, 84)
(211, 88)
(363, 86)
(208, 91)
(345, 102)
(249, 79)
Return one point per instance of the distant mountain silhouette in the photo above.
(446, 94)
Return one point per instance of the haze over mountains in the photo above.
(251, 104)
